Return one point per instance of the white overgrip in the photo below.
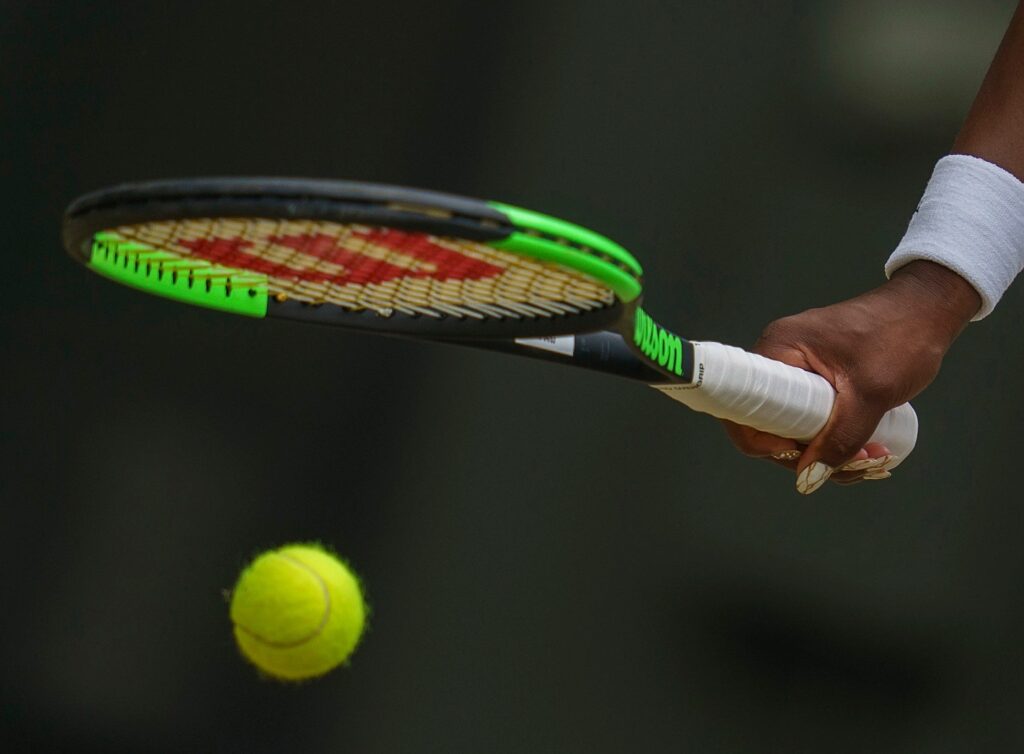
(742, 387)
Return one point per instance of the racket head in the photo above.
(358, 255)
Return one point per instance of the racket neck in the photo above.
(605, 351)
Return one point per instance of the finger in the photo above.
(841, 439)
(779, 450)
(869, 464)
(757, 444)
(874, 455)
(860, 455)
(854, 477)
(787, 458)
(877, 450)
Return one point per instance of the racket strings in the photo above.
(360, 267)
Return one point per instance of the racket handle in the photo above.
(776, 398)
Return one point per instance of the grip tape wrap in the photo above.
(745, 388)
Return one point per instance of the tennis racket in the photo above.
(422, 264)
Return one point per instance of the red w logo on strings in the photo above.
(353, 259)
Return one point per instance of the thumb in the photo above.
(847, 430)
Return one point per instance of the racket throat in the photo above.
(603, 351)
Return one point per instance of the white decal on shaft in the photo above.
(563, 344)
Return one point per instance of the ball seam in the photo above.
(323, 621)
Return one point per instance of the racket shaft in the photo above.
(773, 397)
(603, 351)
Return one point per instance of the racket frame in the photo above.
(604, 338)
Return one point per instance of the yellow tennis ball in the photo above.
(297, 611)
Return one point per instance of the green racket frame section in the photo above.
(200, 283)
(538, 236)
(185, 279)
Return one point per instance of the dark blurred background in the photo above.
(557, 561)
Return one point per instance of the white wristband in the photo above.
(971, 220)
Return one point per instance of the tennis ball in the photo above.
(297, 612)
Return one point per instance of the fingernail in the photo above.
(786, 455)
(880, 474)
(868, 463)
(892, 463)
(811, 478)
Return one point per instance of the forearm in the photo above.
(971, 217)
(994, 129)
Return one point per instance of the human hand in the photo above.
(878, 350)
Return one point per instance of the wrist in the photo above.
(936, 295)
